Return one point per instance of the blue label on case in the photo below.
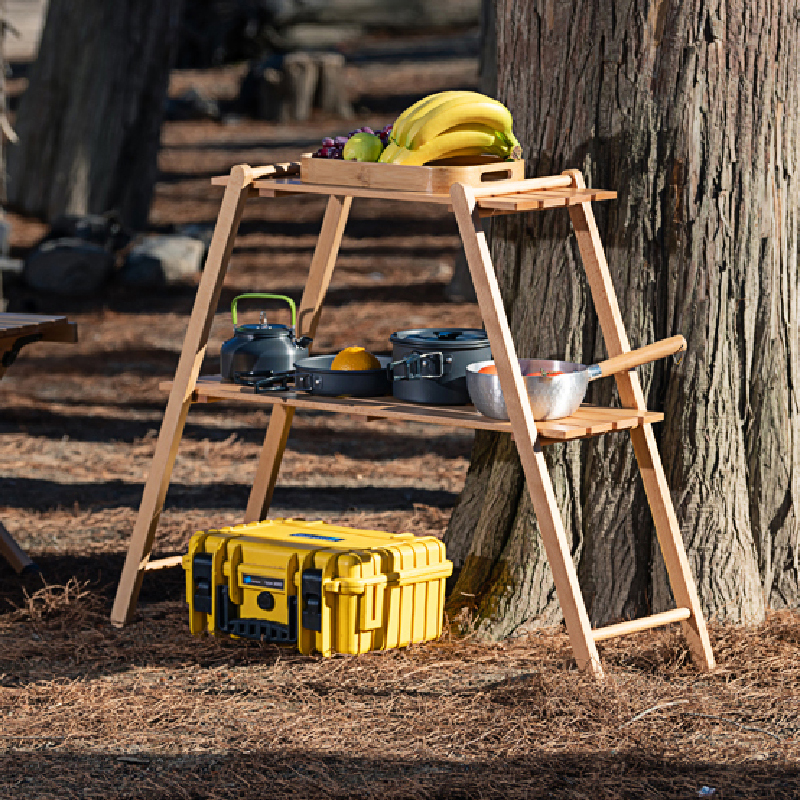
(318, 537)
(264, 583)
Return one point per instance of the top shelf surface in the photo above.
(504, 196)
(523, 200)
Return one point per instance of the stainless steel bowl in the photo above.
(560, 395)
(550, 398)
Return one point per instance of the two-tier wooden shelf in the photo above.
(469, 203)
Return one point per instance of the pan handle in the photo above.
(266, 380)
(635, 358)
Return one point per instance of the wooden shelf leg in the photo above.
(20, 561)
(180, 398)
(269, 463)
(671, 542)
(644, 443)
(319, 278)
(524, 427)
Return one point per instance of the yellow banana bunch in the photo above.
(449, 124)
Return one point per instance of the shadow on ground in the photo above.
(284, 772)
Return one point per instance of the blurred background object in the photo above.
(89, 121)
(93, 83)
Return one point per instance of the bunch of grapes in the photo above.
(332, 146)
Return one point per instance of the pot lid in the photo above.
(442, 338)
(264, 331)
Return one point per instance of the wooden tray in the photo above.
(435, 179)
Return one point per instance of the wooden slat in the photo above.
(278, 187)
(586, 421)
(639, 625)
(504, 188)
(164, 563)
(537, 201)
(285, 168)
(494, 189)
(27, 324)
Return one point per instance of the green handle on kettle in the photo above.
(258, 295)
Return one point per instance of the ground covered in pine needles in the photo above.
(149, 711)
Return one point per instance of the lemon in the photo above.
(362, 147)
(355, 358)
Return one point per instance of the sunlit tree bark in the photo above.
(690, 111)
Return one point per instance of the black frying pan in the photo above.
(315, 376)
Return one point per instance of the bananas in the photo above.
(451, 123)
(406, 119)
(467, 140)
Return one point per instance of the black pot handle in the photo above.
(416, 366)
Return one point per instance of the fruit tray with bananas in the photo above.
(447, 137)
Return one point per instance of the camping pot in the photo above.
(557, 388)
(261, 347)
(430, 364)
(315, 376)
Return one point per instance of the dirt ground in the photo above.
(152, 712)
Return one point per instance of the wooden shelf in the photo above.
(501, 197)
(586, 421)
(467, 202)
(51, 329)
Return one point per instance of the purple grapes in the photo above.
(332, 147)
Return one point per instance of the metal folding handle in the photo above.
(266, 380)
(416, 366)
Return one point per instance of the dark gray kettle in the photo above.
(261, 347)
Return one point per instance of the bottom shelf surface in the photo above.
(586, 421)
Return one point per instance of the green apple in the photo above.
(362, 147)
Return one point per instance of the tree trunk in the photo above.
(690, 111)
(460, 288)
(89, 121)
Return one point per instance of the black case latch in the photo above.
(203, 582)
(311, 590)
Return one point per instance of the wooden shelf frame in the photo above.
(468, 204)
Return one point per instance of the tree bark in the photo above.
(690, 111)
(90, 119)
(460, 288)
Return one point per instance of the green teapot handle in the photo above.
(258, 295)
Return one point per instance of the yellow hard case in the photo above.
(323, 588)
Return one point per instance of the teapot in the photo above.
(263, 347)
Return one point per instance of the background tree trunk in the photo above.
(460, 288)
(690, 111)
(89, 121)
